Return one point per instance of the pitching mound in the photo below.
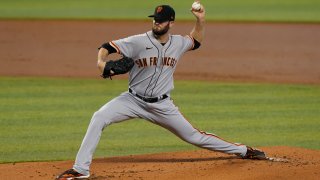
(201, 164)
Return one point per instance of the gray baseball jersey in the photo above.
(151, 77)
(155, 63)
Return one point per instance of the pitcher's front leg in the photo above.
(117, 110)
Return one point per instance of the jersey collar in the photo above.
(156, 42)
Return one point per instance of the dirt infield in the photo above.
(202, 164)
(281, 53)
(238, 52)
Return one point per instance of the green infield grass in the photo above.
(46, 118)
(218, 10)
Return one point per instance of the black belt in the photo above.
(149, 100)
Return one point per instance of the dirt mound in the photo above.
(201, 164)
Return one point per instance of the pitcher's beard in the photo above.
(161, 32)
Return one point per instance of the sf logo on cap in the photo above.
(159, 9)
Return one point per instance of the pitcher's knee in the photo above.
(98, 115)
(194, 138)
(100, 118)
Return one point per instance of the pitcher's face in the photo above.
(161, 28)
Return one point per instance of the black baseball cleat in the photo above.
(71, 174)
(253, 153)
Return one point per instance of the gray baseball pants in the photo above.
(163, 113)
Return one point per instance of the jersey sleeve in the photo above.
(188, 43)
(124, 46)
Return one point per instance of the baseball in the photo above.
(196, 6)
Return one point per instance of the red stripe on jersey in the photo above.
(115, 46)
(208, 134)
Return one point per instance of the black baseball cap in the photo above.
(163, 13)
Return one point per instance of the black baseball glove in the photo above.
(120, 66)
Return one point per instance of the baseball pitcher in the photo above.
(151, 59)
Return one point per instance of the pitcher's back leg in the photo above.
(175, 122)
